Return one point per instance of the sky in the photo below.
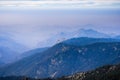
(32, 21)
(48, 4)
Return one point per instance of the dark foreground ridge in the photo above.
(108, 72)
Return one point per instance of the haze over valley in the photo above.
(59, 40)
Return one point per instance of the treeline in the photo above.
(104, 73)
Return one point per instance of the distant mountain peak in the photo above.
(90, 33)
(82, 32)
(87, 30)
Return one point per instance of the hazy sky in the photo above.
(45, 4)
(29, 23)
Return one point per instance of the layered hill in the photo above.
(10, 49)
(75, 34)
(65, 59)
(32, 52)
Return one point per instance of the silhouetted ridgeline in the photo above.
(109, 72)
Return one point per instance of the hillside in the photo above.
(81, 41)
(63, 59)
(32, 52)
(108, 72)
(10, 49)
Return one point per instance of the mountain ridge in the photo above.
(63, 59)
(10, 49)
(91, 33)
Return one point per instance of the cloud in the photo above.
(46, 4)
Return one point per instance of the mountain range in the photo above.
(85, 41)
(1, 63)
(117, 37)
(67, 54)
(10, 49)
(65, 59)
(90, 33)
(32, 52)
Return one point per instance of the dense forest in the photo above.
(109, 72)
